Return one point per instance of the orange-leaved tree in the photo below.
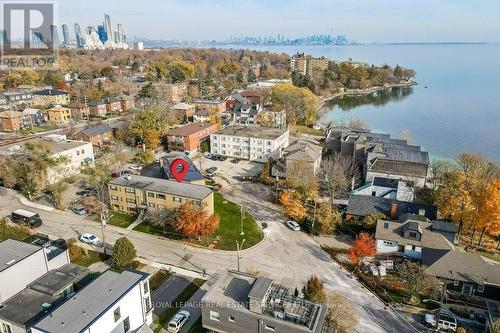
(292, 205)
(363, 246)
(488, 216)
(193, 221)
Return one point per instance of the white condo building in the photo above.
(251, 143)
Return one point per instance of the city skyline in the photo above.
(386, 21)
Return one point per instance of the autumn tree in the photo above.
(328, 217)
(56, 190)
(148, 121)
(363, 246)
(415, 278)
(179, 70)
(292, 205)
(373, 218)
(152, 139)
(314, 290)
(488, 216)
(341, 313)
(300, 176)
(300, 104)
(340, 172)
(194, 222)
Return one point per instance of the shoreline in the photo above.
(366, 91)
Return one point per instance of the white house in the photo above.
(112, 303)
(387, 188)
(251, 143)
(411, 236)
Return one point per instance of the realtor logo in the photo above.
(29, 36)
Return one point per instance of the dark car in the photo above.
(235, 161)
(214, 157)
(222, 158)
(84, 193)
(211, 170)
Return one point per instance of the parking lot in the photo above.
(227, 170)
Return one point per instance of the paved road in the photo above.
(287, 256)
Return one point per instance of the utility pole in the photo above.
(241, 220)
(238, 249)
(441, 300)
(104, 220)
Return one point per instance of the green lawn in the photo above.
(227, 233)
(91, 258)
(308, 130)
(183, 297)
(122, 220)
(158, 278)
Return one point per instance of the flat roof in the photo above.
(54, 146)
(56, 280)
(253, 132)
(27, 306)
(193, 173)
(78, 313)
(186, 190)
(13, 251)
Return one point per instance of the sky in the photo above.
(360, 20)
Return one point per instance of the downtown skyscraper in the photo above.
(65, 32)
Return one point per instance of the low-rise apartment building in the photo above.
(97, 108)
(216, 105)
(53, 96)
(113, 302)
(11, 121)
(251, 143)
(97, 134)
(189, 137)
(18, 96)
(240, 302)
(59, 115)
(79, 111)
(113, 105)
(131, 193)
(306, 64)
(184, 110)
(77, 154)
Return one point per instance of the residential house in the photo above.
(193, 175)
(189, 137)
(241, 302)
(127, 102)
(244, 114)
(59, 115)
(271, 118)
(113, 105)
(131, 193)
(412, 236)
(201, 116)
(387, 188)
(97, 108)
(176, 91)
(235, 99)
(18, 96)
(360, 205)
(252, 143)
(3, 100)
(22, 263)
(253, 96)
(19, 313)
(77, 154)
(184, 111)
(11, 121)
(301, 151)
(33, 117)
(79, 111)
(54, 96)
(113, 302)
(469, 278)
(97, 134)
(216, 105)
(379, 155)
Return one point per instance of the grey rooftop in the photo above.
(12, 251)
(252, 132)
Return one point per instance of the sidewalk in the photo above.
(138, 220)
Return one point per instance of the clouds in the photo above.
(363, 20)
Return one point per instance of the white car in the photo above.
(136, 167)
(293, 225)
(178, 321)
(90, 239)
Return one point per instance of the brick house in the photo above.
(97, 135)
(79, 111)
(127, 102)
(188, 138)
(54, 96)
(59, 115)
(11, 120)
(211, 105)
(113, 105)
(97, 108)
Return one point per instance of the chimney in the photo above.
(394, 210)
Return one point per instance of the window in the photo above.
(126, 324)
(456, 283)
(268, 143)
(113, 188)
(214, 316)
(269, 328)
(151, 195)
(148, 304)
(480, 288)
(114, 197)
(5, 328)
(231, 319)
(117, 314)
(131, 201)
(160, 196)
(146, 287)
(129, 190)
(177, 199)
(412, 234)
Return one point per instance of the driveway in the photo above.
(164, 295)
(229, 170)
(286, 256)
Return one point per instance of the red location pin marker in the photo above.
(179, 173)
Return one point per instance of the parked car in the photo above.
(79, 210)
(293, 225)
(136, 167)
(235, 161)
(214, 157)
(211, 170)
(209, 156)
(83, 193)
(90, 239)
(446, 323)
(22, 216)
(222, 158)
(178, 321)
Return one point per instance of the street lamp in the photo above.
(104, 219)
(241, 220)
(238, 249)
